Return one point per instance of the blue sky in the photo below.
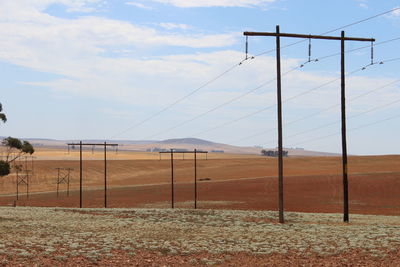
(93, 69)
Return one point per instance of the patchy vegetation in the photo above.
(205, 237)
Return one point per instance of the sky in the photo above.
(160, 69)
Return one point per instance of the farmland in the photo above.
(236, 223)
(312, 184)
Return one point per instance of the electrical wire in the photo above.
(265, 83)
(333, 106)
(223, 104)
(231, 69)
(334, 30)
(273, 105)
(315, 114)
(176, 102)
(349, 130)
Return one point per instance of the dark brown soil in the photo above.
(369, 194)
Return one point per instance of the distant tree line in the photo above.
(273, 153)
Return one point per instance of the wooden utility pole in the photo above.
(342, 38)
(105, 174)
(195, 178)
(280, 141)
(344, 138)
(81, 144)
(195, 152)
(80, 174)
(172, 178)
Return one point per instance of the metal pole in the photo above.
(69, 171)
(172, 178)
(195, 178)
(344, 142)
(17, 178)
(58, 180)
(105, 174)
(80, 174)
(280, 146)
(27, 184)
(32, 165)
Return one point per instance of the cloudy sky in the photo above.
(152, 69)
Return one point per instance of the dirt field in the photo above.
(311, 184)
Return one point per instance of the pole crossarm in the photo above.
(308, 36)
(189, 152)
(91, 144)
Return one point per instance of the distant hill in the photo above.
(189, 141)
(177, 143)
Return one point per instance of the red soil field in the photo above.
(311, 185)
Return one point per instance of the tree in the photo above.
(15, 148)
(2, 115)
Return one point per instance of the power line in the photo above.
(223, 104)
(232, 68)
(177, 101)
(333, 106)
(337, 29)
(360, 48)
(273, 105)
(250, 91)
(359, 114)
(350, 117)
(260, 86)
(318, 113)
(350, 130)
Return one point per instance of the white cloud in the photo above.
(31, 8)
(77, 50)
(215, 3)
(396, 13)
(171, 26)
(139, 5)
(363, 5)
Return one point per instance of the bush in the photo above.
(4, 168)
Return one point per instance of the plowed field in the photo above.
(312, 184)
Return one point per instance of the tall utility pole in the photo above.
(195, 178)
(280, 130)
(80, 174)
(105, 174)
(81, 145)
(172, 178)
(341, 38)
(172, 152)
